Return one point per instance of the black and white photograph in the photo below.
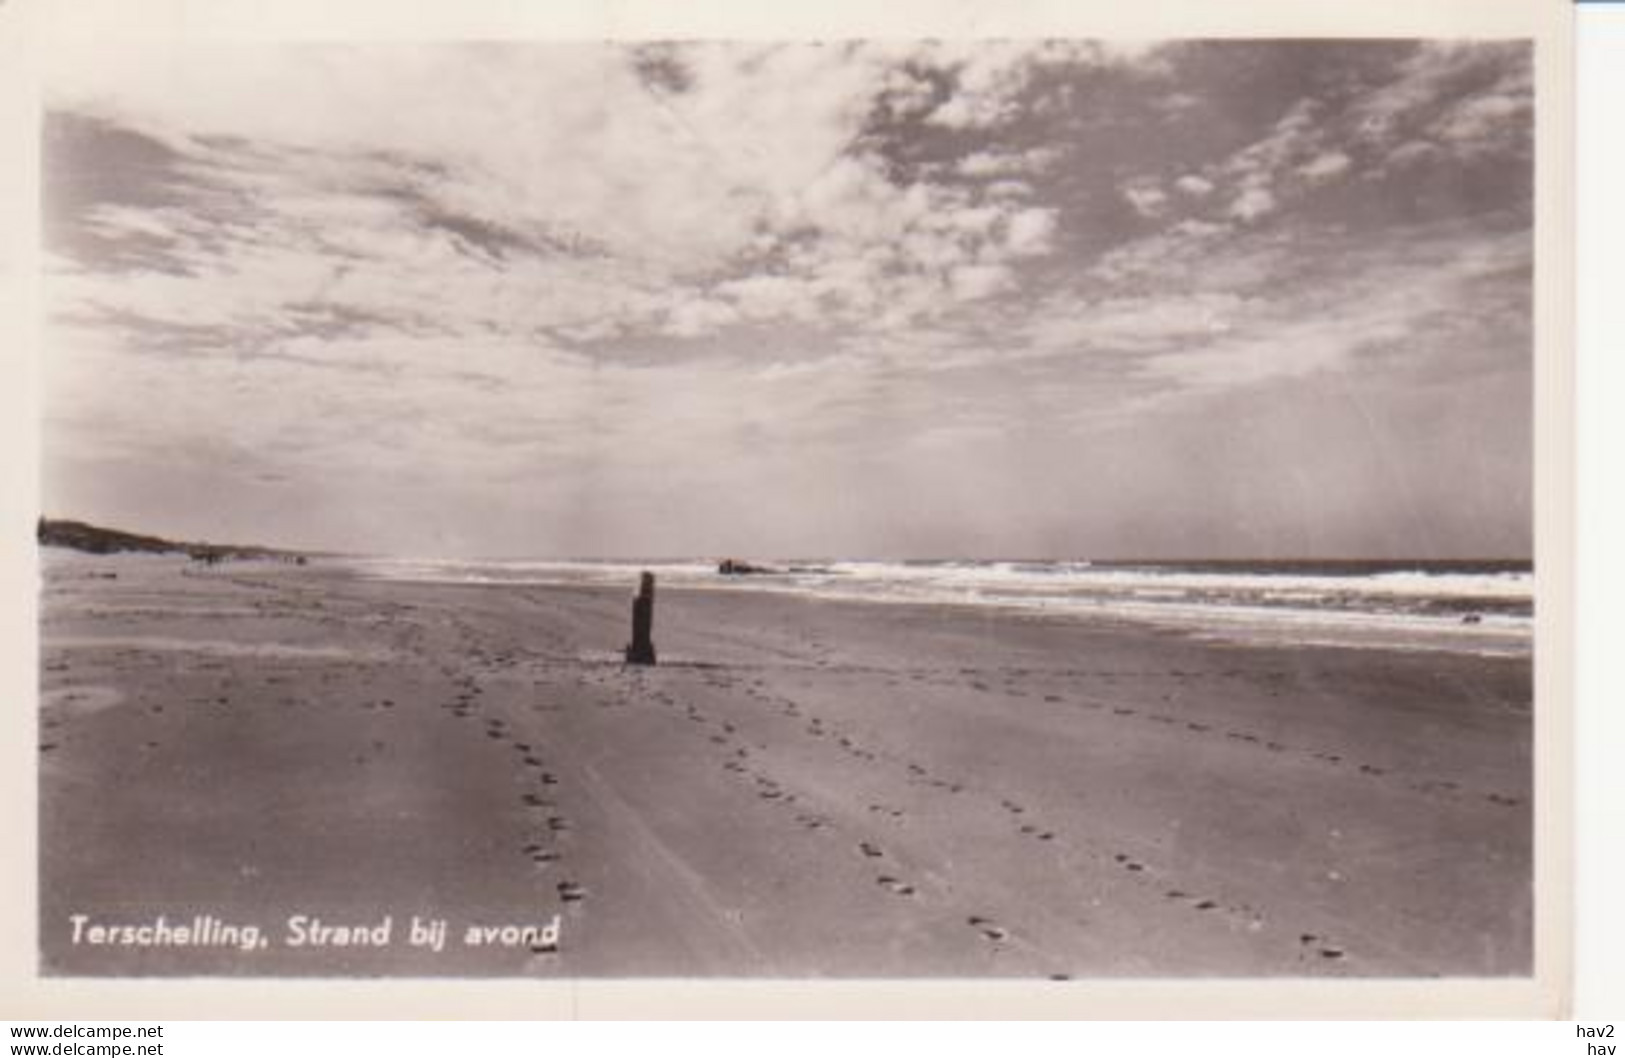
(1044, 508)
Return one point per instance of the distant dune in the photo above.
(97, 540)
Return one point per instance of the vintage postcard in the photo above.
(1062, 504)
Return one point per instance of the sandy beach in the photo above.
(801, 788)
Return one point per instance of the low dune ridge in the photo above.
(801, 788)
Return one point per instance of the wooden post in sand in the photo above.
(641, 651)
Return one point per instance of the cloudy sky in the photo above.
(1220, 299)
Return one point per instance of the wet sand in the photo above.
(800, 789)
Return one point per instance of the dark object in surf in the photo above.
(641, 651)
(1473, 619)
(733, 567)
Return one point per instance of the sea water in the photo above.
(1476, 606)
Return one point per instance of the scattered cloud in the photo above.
(1253, 203)
(1146, 196)
(1030, 232)
(1468, 100)
(991, 163)
(1325, 166)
